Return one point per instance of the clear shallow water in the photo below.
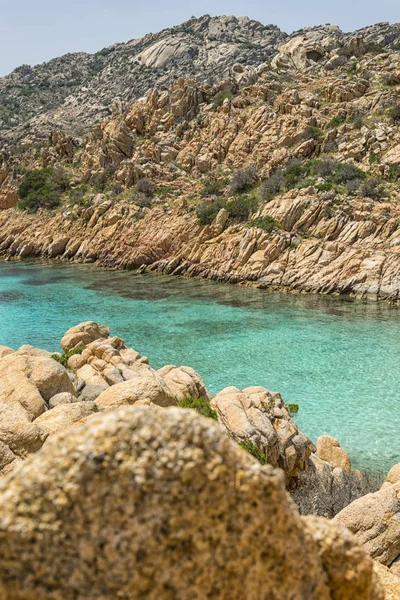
(339, 360)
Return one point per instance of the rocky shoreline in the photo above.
(172, 242)
(65, 424)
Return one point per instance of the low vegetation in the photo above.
(243, 180)
(252, 449)
(63, 358)
(42, 188)
(338, 176)
(266, 223)
(201, 406)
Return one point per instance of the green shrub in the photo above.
(164, 191)
(243, 180)
(336, 122)
(394, 113)
(372, 188)
(241, 207)
(293, 408)
(201, 406)
(295, 173)
(252, 449)
(220, 97)
(394, 173)
(42, 188)
(207, 212)
(63, 359)
(345, 172)
(266, 223)
(212, 187)
(312, 133)
(373, 159)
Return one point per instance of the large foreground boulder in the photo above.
(161, 504)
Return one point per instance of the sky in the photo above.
(34, 31)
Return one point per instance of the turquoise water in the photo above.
(339, 360)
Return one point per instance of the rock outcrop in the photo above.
(141, 503)
(261, 417)
(375, 520)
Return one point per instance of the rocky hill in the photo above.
(75, 91)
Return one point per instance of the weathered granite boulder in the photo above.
(83, 334)
(5, 351)
(26, 385)
(375, 520)
(389, 581)
(184, 382)
(329, 449)
(62, 417)
(260, 416)
(144, 384)
(63, 398)
(143, 503)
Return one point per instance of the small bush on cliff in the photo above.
(63, 358)
(372, 188)
(336, 122)
(394, 113)
(267, 223)
(219, 99)
(42, 188)
(243, 180)
(312, 133)
(252, 449)
(207, 212)
(272, 185)
(145, 186)
(394, 173)
(212, 187)
(241, 207)
(201, 406)
(345, 172)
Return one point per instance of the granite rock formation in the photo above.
(141, 503)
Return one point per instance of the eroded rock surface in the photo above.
(177, 531)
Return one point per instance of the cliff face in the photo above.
(315, 252)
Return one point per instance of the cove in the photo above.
(338, 359)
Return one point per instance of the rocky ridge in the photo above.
(74, 91)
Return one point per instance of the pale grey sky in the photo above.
(34, 31)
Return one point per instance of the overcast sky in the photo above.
(34, 31)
